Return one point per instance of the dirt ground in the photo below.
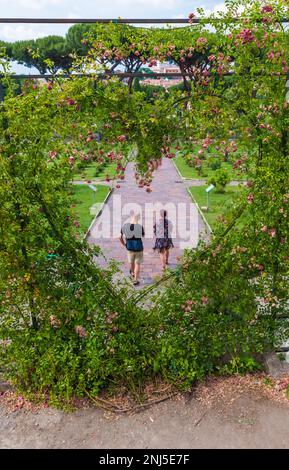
(222, 413)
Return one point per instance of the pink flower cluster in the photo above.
(216, 250)
(191, 17)
(238, 163)
(271, 55)
(187, 306)
(272, 231)
(111, 316)
(206, 142)
(205, 300)
(238, 249)
(201, 42)
(267, 9)
(121, 138)
(52, 154)
(246, 36)
(81, 331)
(250, 198)
(54, 321)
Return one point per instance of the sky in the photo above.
(88, 9)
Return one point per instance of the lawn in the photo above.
(187, 171)
(217, 201)
(84, 199)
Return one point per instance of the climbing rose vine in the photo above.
(67, 326)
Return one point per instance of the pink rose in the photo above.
(81, 331)
(246, 36)
(267, 9)
(271, 55)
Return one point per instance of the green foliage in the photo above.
(66, 328)
(215, 164)
(136, 85)
(77, 351)
(152, 91)
(220, 180)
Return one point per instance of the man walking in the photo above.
(131, 237)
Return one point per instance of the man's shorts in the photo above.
(135, 257)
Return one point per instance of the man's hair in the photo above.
(135, 215)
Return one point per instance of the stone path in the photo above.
(167, 188)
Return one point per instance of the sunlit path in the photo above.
(167, 188)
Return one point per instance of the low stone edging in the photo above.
(98, 214)
(201, 213)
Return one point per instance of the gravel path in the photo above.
(249, 421)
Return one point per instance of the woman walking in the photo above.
(163, 242)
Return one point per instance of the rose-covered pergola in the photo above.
(66, 328)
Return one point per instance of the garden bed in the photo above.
(189, 172)
(91, 172)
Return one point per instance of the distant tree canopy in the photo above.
(50, 53)
(75, 38)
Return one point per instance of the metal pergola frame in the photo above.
(118, 20)
(107, 74)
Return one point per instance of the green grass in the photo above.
(217, 201)
(84, 199)
(90, 172)
(187, 171)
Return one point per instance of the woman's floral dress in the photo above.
(162, 232)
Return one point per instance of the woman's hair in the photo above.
(163, 213)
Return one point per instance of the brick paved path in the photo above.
(167, 187)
